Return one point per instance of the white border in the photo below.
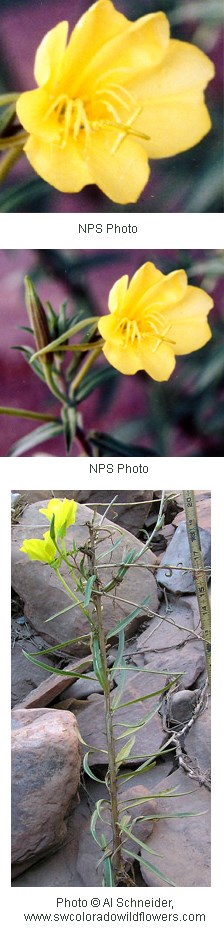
(154, 231)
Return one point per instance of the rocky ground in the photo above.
(52, 801)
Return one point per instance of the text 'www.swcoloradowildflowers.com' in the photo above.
(134, 910)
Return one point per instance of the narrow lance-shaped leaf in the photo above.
(88, 590)
(149, 866)
(126, 620)
(87, 769)
(119, 656)
(37, 437)
(62, 672)
(124, 752)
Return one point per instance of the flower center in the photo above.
(112, 107)
(132, 331)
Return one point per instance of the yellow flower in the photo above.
(117, 94)
(64, 512)
(40, 550)
(152, 319)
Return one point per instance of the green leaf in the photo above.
(126, 620)
(88, 590)
(144, 697)
(51, 649)
(124, 752)
(37, 437)
(107, 870)
(119, 656)
(136, 727)
(27, 354)
(6, 117)
(105, 445)
(21, 195)
(150, 867)
(52, 529)
(94, 819)
(91, 382)
(62, 672)
(87, 769)
(69, 416)
(120, 688)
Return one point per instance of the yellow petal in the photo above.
(189, 327)
(62, 167)
(141, 283)
(92, 32)
(132, 53)
(50, 54)
(160, 363)
(121, 175)
(174, 125)
(125, 360)
(173, 112)
(189, 336)
(164, 294)
(117, 295)
(32, 108)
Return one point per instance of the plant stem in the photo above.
(8, 161)
(84, 370)
(116, 859)
(8, 98)
(13, 142)
(27, 414)
(71, 594)
(84, 323)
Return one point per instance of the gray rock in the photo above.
(44, 595)
(45, 778)
(82, 688)
(148, 739)
(174, 645)
(180, 707)
(178, 553)
(185, 842)
(197, 743)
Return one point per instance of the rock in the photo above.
(61, 868)
(181, 707)
(44, 595)
(175, 645)
(184, 842)
(89, 853)
(148, 739)
(24, 675)
(81, 688)
(51, 687)
(197, 744)
(178, 553)
(133, 512)
(45, 779)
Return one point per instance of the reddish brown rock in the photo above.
(45, 779)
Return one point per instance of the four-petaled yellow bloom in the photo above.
(119, 93)
(40, 550)
(64, 512)
(153, 318)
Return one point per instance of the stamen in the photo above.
(54, 107)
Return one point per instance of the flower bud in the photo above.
(38, 320)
